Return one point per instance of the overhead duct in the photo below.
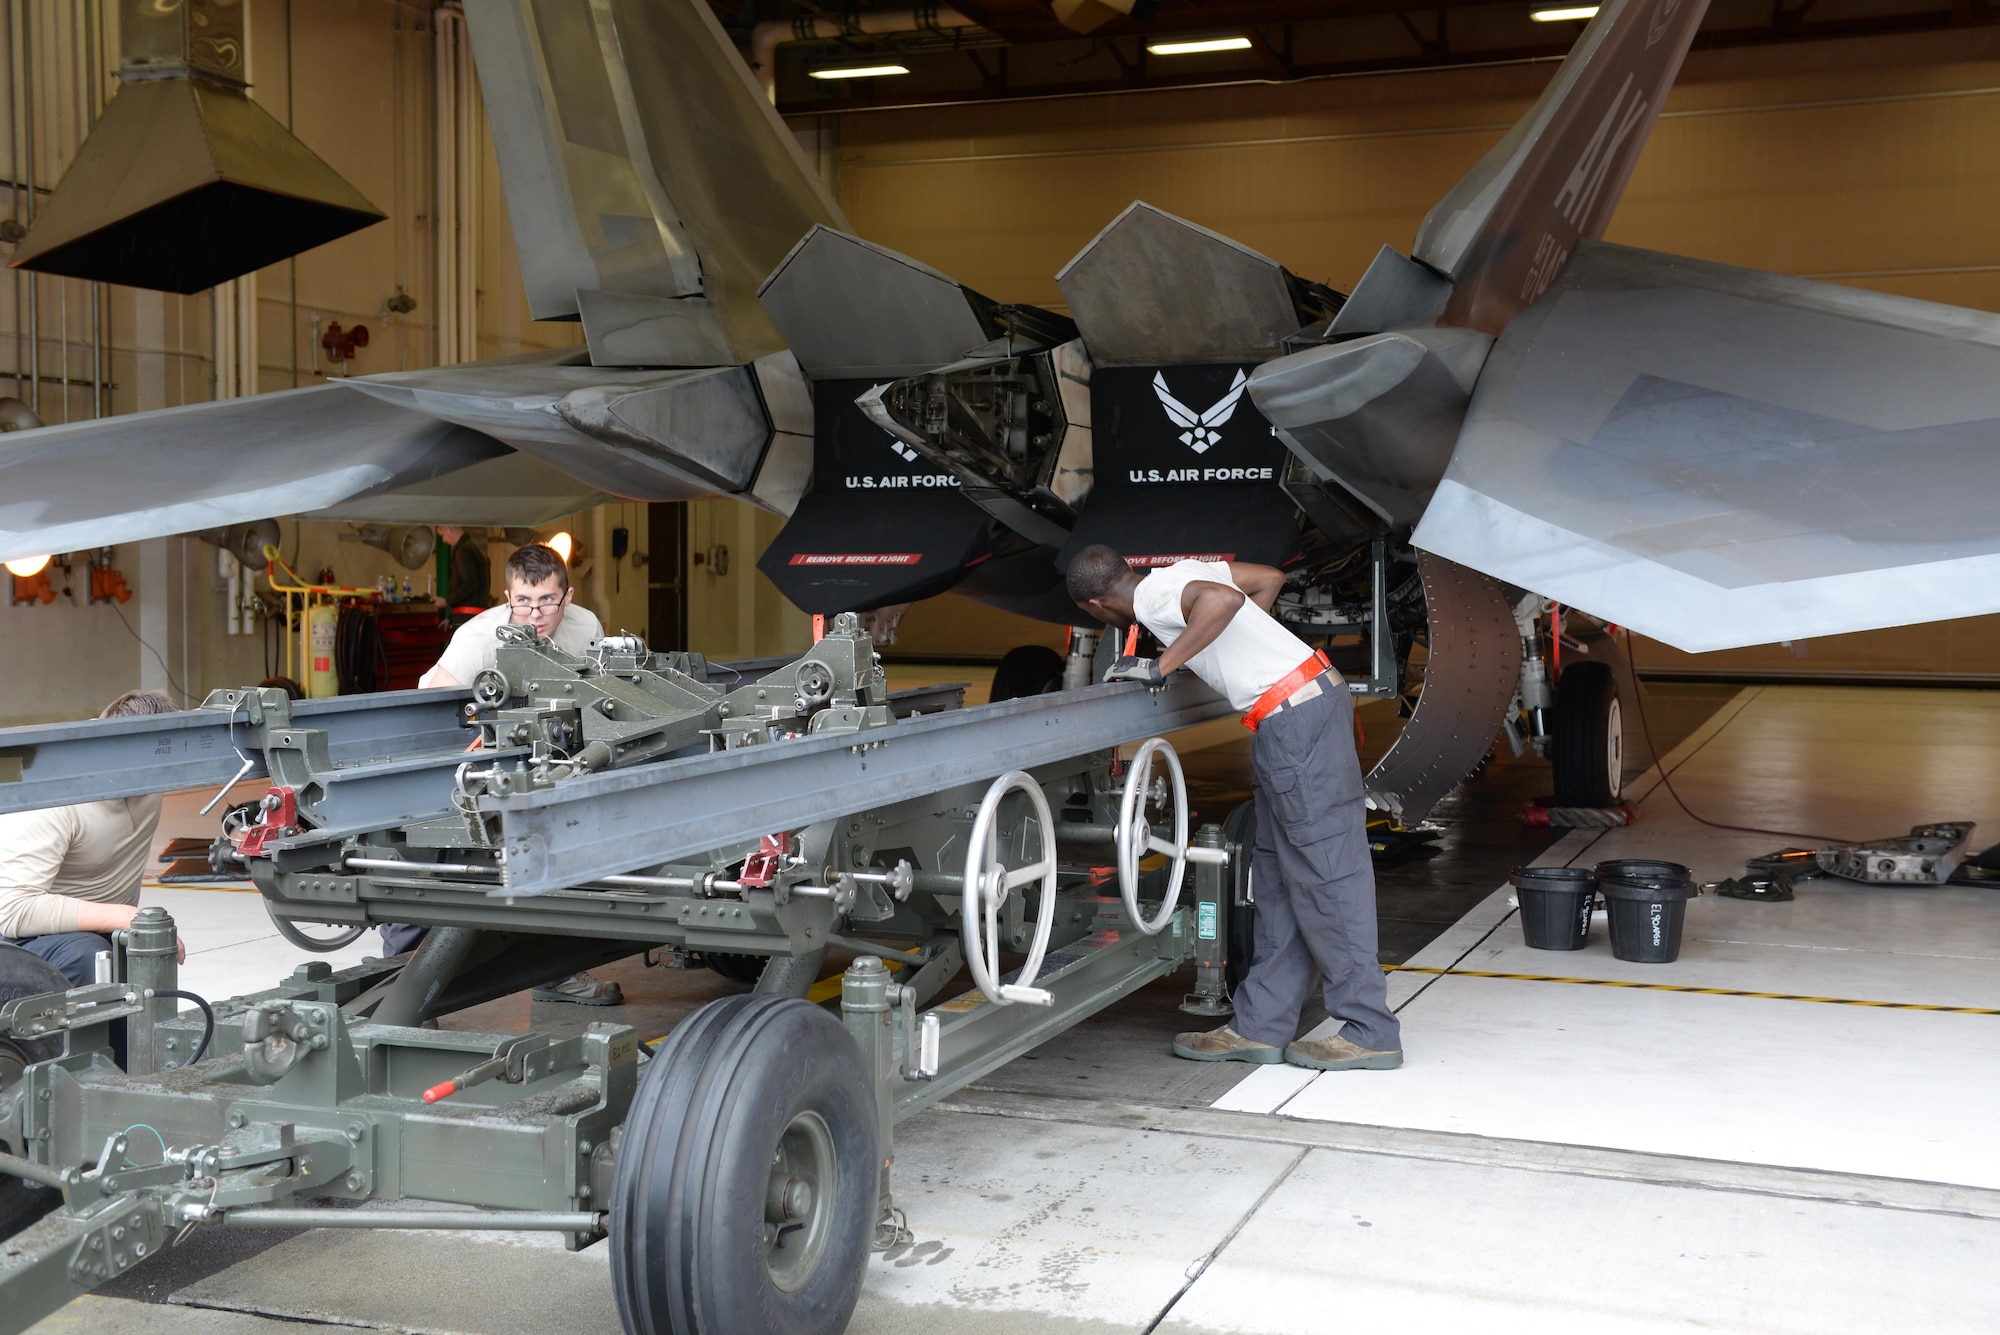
(413, 545)
(185, 182)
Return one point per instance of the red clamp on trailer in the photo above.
(280, 817)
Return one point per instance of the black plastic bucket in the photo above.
(1646, 919)
(1555, 906)
(1644, 871)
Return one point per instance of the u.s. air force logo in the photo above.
(1203, 429)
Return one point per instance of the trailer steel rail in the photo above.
(57, 764)
(603, 824)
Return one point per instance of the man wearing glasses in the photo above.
(538, 595)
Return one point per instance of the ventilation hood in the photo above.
(185, 182)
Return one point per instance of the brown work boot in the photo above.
(1224, 1045)
(1337, 1054)
(581, 989)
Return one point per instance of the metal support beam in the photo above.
(607, 823)
(977, 1036)
(495, 1221)
(58, 764)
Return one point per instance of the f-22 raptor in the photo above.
(1513, 416)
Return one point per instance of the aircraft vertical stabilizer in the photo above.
(1506, 230)
(650, 184)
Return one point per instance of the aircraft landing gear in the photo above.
(745, 1196)
(1027, 669)
(1588, 748)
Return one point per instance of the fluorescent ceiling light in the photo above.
(27, 566)
(1197, 45)
(1564, 14)
(857, 71)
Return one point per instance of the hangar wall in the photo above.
(1872, 161)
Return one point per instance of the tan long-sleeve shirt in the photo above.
(53, 860)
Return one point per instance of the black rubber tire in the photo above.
(744, 969)
(1588, 759)
(23, 974)
(1027, 669)
(1239, 833)
(688, 1248)
(26, 974)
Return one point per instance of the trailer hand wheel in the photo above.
(1135, 831)
(491, 688)
(319, 945)
(989, 882)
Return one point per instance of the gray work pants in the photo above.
(1314, 883)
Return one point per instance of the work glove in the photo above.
(1146, 670)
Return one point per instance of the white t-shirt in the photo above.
(474, 648)
(1253, 653)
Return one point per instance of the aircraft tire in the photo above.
(747, 1182)
(1026, 669)
(1588, 749)
(1239, 835)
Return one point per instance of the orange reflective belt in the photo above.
(1268, 702)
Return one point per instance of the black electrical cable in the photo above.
(207, 1014)
(1668, 783)
(169, 672)
(361, 659)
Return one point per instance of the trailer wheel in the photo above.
(746, 1189)
(1026, 669)
(745, 969)
(1588, 749)
(23, 974)
(1239, 836)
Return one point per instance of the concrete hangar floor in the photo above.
(1560, 1152)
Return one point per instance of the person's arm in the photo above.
(458, 654)
(94, 917)
(1207, 608)
(1260, 584)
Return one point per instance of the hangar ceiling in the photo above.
(990, 50)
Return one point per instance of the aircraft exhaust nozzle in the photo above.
(185, 182)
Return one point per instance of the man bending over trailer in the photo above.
(1315, 884)
(68, 875)
(538, 595)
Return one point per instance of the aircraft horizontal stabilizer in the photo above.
(207, 465)
(512, 490)
(1719, 457)
(642, 435)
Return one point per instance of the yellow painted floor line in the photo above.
(243, 888)
(1682, 987)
